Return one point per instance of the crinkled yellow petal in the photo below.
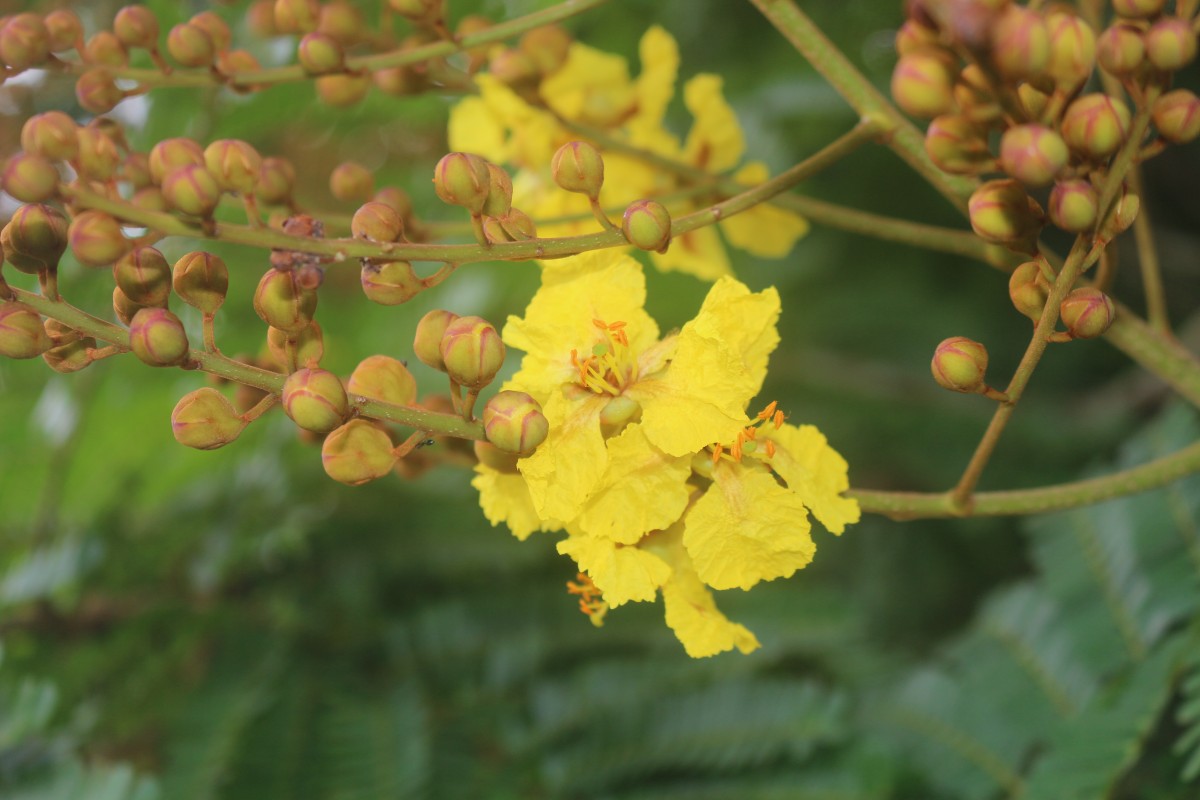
(815, 472)
(642, 489)
(622, 573)
(656, 84)
(715, 141)
(591, 86)
(699, 253)
(565, 469)
(765, 230)
(474, 128)
(747, 528)
(504, 498)
(627, 179)
(692, 613)
(745, 321)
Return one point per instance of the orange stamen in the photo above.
(778, 420)
(751, 432)
(769, 410)
(717, 450)
(770, 448)
(736, 449)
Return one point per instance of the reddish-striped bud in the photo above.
(383, 378)
(156, 336)
(315, 400)
(514, 423)
(357, 453)
(960, 365)
(1087, 313)
(205, 419)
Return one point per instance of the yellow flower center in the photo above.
(746, 442)
(611, 366)
(591, 602)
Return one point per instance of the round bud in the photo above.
(156, 336)
(276, 180)
(1138, 9)
(282, 304)
(217, 29)
(398, 81)
(1072, 49)
(472, 352)
(98, 156)
(35, 238)
(1095, 125)
(149, 198)
(1074, 205)
(494, 458)
(959, 364)
(192, 190)
(383, 378)
(390, 283)
(123, 307)
(398, 199)
(1000, 212)
(357, 453)
(351, 182)
(1177, 116)
(427, 342)
(297, 16)
(24, 41)
(647, 225)
(22, 334)
(377, 222)
(144, 276)
(315, 400)
(136, 26)
(1122, 214)
(343, 21)
(233, 62)
(64, 29)
(578, 167)
(235, 165)
(547, 46)
(515, 226)
(1033, 154)
(957, 144)
(423, 11)
(320, 54)
(468, 26)
(342, 91)
(30, 178)
(96, 239)
(1028, 289)
(1020, 42)
(923, 84)
(106, 50)
(914, 36)
(97, 92)
(1170, 44)
(514, 423)
(205, 419)
(305, 348)
(171, 154)
(190, 45)
(462, 179)
(500, 190)
(70, 351)
(260, 19)
(51, 135)
(1087, 312)
(514, 68)
(1121, 50)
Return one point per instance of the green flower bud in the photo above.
(914, 36)
(260, 19)
(156, 336)
(297, 16)
(149, 199)
(1122, 214)
(384, 378)
(427, 342)
(64, 29)
(500, 190)
(398, 81)
(24, 41)
(647, 225)
(315, 400)
(193, 190)
(342, 21)
(51, 135)
(578, 167)
(320, 54)
(462, 179)
(276, 180)
(547, 46)
(235, 165)
(1138, 9)
(1074, 205)
(98, 157)
(97, 91)
(217, 29)
(70, 351)
(1000, 212)
(422, 11)
(1072, 49)
(172, 154)
(124, 308)
(491, 456)
(343, 90)
(957, 145)
(35, 238)
(30, 178)
(233, 62)
(1020, 43)
(191, 45)
(959, 364)
(390, 283)
(1121, 50)
(96, 239)
(923, 84)
(472, 352)
(351, 182)
(305, 348)
(22, 334)
(1095, 125)
(1033, 154)
(515, 226)
(144, 276)
(1177, 116)
(514, 422)
(1087, 313)
(136, 26)
(514, 68)
(467, 26)
(282, 304)
(1028, 289)
(398, 199)
(205, 419)
(377, 222)
(357, 453)
(1170, 44)
(105, 49)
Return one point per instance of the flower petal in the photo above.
(744, 321)
(565, 469)
(765, 230)
(715, 141)
(815, 472)
(622, 573)
(699, 253)
(504, 497)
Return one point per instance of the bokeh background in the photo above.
(231, 624)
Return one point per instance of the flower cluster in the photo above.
(652, 466)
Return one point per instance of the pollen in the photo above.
(611, 366)
(591, 600)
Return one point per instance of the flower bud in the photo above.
(35, 238)
(192, 190)
(315, 400)
(1177, 116)
(217, 29)
(190, 45)
(390, 283)
(105, 49)
(578, 167)
(276, 180)
(462, 179)
(975, 97)
(493, 457)
(383, 378)
(357, 453)
(959, 364)
(149, 199)
(1138, 9)
(422, 11)
(647, 225)
(260, 19)
(398, 199)
(513, 68)
(427, 342)
(342, 21)
(1095, 125)
(1074, 205)
(136, 26)
(171, 154)
(144, 276)
(70, 351)
(51, 135)
(234, 62)
(913, 36)
(1087, 312)
(64, 29)
(1121, 50)
(205, 419)
(22, 334)
(97, 158)
(377, 222)
(1000, 212)
(1020, 43)
(515, 226)
(957, 144)
(1028, 289)
(398, 81)
(123, 307)
(500, 190)
(235, 165)
(297, 16)
(468, 26)
(514, 423)
(1170, 44)
(547, 46)
(156, 336)
(282, 304)
(351, 182)
(1033, 154)
(30, 178)
(96, 239)
(472, 352)
(305, 348)
(1122, 214)
(923, 84)
(97, 92)
(342, 90)
(1072, 49)
(320, 54)
(24, 41)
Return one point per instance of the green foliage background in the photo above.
(186, 625)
